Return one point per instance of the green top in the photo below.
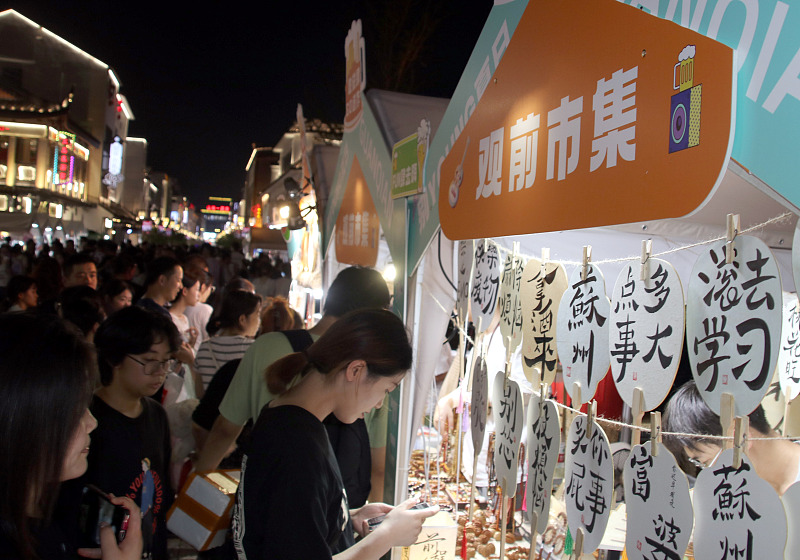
(248, 393)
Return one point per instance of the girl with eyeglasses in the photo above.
(131, 447)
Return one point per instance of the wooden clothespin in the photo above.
(542, 397)
(590, 419)
(655, 432)
(647, 249)
(577, 549)
(732, 230)
(727, 407)
(576, 395)
(508, 362)
(545, 259)
(587, 257)
(741, 424)
(637, 411)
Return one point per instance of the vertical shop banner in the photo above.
(305, 165)
(406, 167)
(366, 144)
(594, 117)
(489, 49)
(765, 36)
(357, 226)
(356, 76)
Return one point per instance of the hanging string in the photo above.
(601, 420)
(777, 219)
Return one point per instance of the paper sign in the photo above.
(789, 353)
(737, 514)
(357, 225)
(480, 402)
(544, 431)
(646, 331)
(507, 413)
(733, 323)
(791, 504)
(660, 514)
(485, 282)
(541, 292)
(466, 255)
(593, 117)
(510, 301)
(589, 482)
(582, 332)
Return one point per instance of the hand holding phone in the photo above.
(375, 521)
(105, 512)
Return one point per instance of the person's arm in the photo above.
(377, 474)
(223, 434)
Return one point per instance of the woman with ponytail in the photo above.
(291, 501)
(233, 329)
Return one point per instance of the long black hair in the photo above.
(235, 303)
(47, 373)
(376, 336)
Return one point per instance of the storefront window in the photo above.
(26, 160)
(3, 158)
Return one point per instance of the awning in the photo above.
(266, 238)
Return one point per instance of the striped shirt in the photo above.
(217, 351)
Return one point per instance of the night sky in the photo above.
(206, 83)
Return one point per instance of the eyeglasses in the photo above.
(704, 464)
(154, 367)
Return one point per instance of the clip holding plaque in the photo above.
(587, 257)
(655, 432)
(733, 225)
(740, 427)
(647, 249)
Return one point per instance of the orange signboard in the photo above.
(357, 225)
(598, 114)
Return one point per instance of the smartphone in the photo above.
(96, 508)
(375, 521)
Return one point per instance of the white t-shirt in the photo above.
(198, 316)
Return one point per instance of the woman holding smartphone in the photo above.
(47, 373)
(291, 501)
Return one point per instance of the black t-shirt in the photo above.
(130, 456)
(291, 502)
(50, 544)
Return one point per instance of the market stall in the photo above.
(497, 186)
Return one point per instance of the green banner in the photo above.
(408, 161)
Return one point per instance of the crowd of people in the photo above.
(125, 368)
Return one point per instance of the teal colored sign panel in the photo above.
(366, 143)
(489, 49)
(766, 37)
